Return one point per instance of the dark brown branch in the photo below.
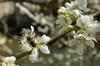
(23, 54)
(51, 42)
(55, 39)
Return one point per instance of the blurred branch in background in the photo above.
(26, 11)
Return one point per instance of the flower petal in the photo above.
(91, 38)
(9, 59)
(34, 55)
(62, 10)
(45, 39)
(80, 49)
(26, 47)
(82, 3)
(68, 6)
(77, 12)
(90, 43)
(73, 42)
(32, 30)
(10, 64)
(44, 49)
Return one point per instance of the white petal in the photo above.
(44, 49)
(79, 22)
(85, 20)
(6, 59)
(91, 38)
(78, 36)
(80, 49)
(45, 39)
(77, 12)
(10, 64)
(62, 10)
(3, 64)
(90, 43)
(9, 59)
(32, 30)
(73, 42)
(82, 3)
(12, 58)
(68, 6)
(34, 55)
(26, 47)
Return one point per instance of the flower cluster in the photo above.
(31, 42)
(71, 11)
(9, 61)
(74, 14)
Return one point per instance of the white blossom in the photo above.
(45, 39)
(44, 49)
(28, 32)
(34, 55)
(9, 61)
(40, 46)
(81, 41)
(82, 4)
(68, 6)
(77, 12)
(87, 23)
(26, 47)
(71, 14)
(32, 30)
(27, 42)
(62, 10)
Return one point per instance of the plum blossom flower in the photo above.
(42, 47)
(88, 29)
(87, 23)
(85, 37)
(9, 61)
(70, 12)
(82, 4)
(33, 57)
(30, 42)
(74, 5)
(81, 41)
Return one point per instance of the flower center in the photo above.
(31, 41)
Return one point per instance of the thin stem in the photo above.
(51, 42)
(23, 54)
(26, 11)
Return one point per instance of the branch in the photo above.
(26, 11)
(52, 41)
(69, 29)
(23, 54)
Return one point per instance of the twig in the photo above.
(51, 42)
(26, 11)
(5, 26)
(23, 54)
